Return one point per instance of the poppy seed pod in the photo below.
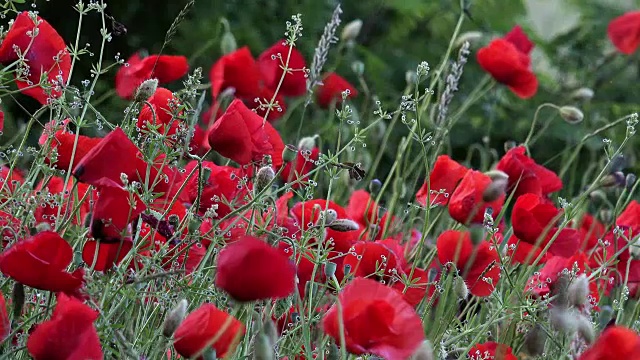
(146, 90)
(174, 318)
(289, 153)
(571, 114)
(351, 31)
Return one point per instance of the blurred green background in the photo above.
(570, 53)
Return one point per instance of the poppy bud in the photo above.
(460, 288)
(559, 292)
(495, 190)
(579, 290)
(563, 320)
(585, 329)
(357, 67)
(343, 225)
(582, 94)
(307, 143)
(330, 216)
(571, 114)
(424, 352)
(228, 43)
(263, 178)
(508, 145)
(351, 30)
(289, 153)
(497, 175)
(411, 77)
(206, 174)
(598, 196)
(209, 354)
(146, 90)
(174, 318)
(477, 234)
(469, 36)
(535, 340)
(43, 226)
(630, 180)
(374, 186)
(329, 269)
(605, 215)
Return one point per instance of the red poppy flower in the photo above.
(12, 228)
(242, 136)
(64, 144)
(299, 168)
(10, 180)
(56, 193)
(165, 68)
(520, 39)
(306, 214)
(444, 177)
(363, 209)
(532, 216)
(615, 342)
(249, 270)
(418, 287)
(506, 60)
(1, 121)
(591, 230)
(160, 115)
(630, 217)
(331, 90)
(527, 177)
(478, 266)
(237, 70)
(40, 262)
(371, 259)
(376, 321)
(184, 256)
(624, 32)
(69, 334)
(466, 204)
(271, 63)
(102, 256)
(208, 327)
(521, 252)
(44, 53)
(491, 351)
(220, 189)
(5, 324)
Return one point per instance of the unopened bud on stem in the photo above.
(424, 352)
(571, 114)
(174, 318)
(535, 340)
(146, 90)
(263, 178)
(351, 30)
(460, 288)
(495, 190)
(579, 291)
(343, 225)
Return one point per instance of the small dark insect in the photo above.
(356, 172)
(117, 27)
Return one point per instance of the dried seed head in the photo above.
(174, 318)
(585, 329)
(343, 225)
(289, 153)
(535, 340)
(571, 114)
(424, 352)
(146, 90)
(582, 94)
(263, 178)
(579, 291)
(495, 190)
(460, 288)
(351, 31)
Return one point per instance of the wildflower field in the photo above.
(315, 180)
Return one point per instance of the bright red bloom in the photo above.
(306, 214)
(206, 327)
(445, 175)
(419, 287)
(238, 70)
(44, 53)
(51, 212)
(249, 269)
(630, 218)
(533, 216)
(242, 136)
(456, 247)
(491, 351)
(10, 180)
(68, 335)
(363, 209)
(591, 230)
(507, 60)
(521, 252)
(466, 204)
(527, 177)
(115, 209)
(615, 342)
(160, 115)
(63, 143)
(331, 90)
(5, 324)
(271, 62)
(624, 32)
(165, 68)
(298, 169)
(371, 258)
(102, 255)
(1, 121)
(40, 262)
(376, 321)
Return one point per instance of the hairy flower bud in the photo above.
(563, 320)
(357, 67)
(424, 352)
(307, 143)
(582, 94)
(146, 90)
(351, 30)
(263, 178)
(630, 180)
(571, 114)
(43, 226)
(343, 225)
(228, 43)
(330, 216)
(585, 329)
(535, 340)
(174, 318)
(460, 288)
(495, 190)
(579, 291)
(497, 175)
(411, 77)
